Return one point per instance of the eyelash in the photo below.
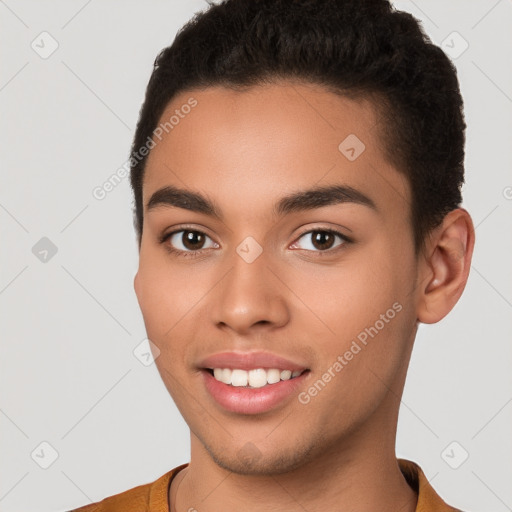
(195, 254)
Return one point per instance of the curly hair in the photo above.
(355, 48)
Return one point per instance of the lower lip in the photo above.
(244, 400)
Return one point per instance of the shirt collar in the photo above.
(428, 499)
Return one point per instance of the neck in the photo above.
(359, 473)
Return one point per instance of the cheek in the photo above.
(368, 320)
(359, 370)
(172, 298)
(354, 296)
(165, 295)
(164, 301)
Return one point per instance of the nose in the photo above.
(250, 297)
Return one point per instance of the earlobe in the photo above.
(447, 268)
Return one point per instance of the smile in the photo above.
(255, 378)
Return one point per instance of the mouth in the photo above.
(254, 378)
(252, 383)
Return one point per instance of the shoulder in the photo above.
(428, 499)
(148, 497)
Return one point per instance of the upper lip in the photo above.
(250, 361)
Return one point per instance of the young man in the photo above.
(296, 171)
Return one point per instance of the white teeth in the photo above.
(226, 376)
(286, 375)
(238, 378)
(273, 376)
(256, 378)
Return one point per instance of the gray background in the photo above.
(70, 323)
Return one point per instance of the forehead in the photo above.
(270, 139)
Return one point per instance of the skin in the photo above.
(245, 151)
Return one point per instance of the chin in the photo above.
(249, 460)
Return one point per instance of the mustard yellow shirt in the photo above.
(153, 497)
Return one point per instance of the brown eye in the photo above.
(188, 241)
(320, 240)
(192, 240)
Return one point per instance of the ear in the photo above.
(445, 266)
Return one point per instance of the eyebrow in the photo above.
(303, 200)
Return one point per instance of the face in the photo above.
(277, 273)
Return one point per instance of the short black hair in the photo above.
(355, 48)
